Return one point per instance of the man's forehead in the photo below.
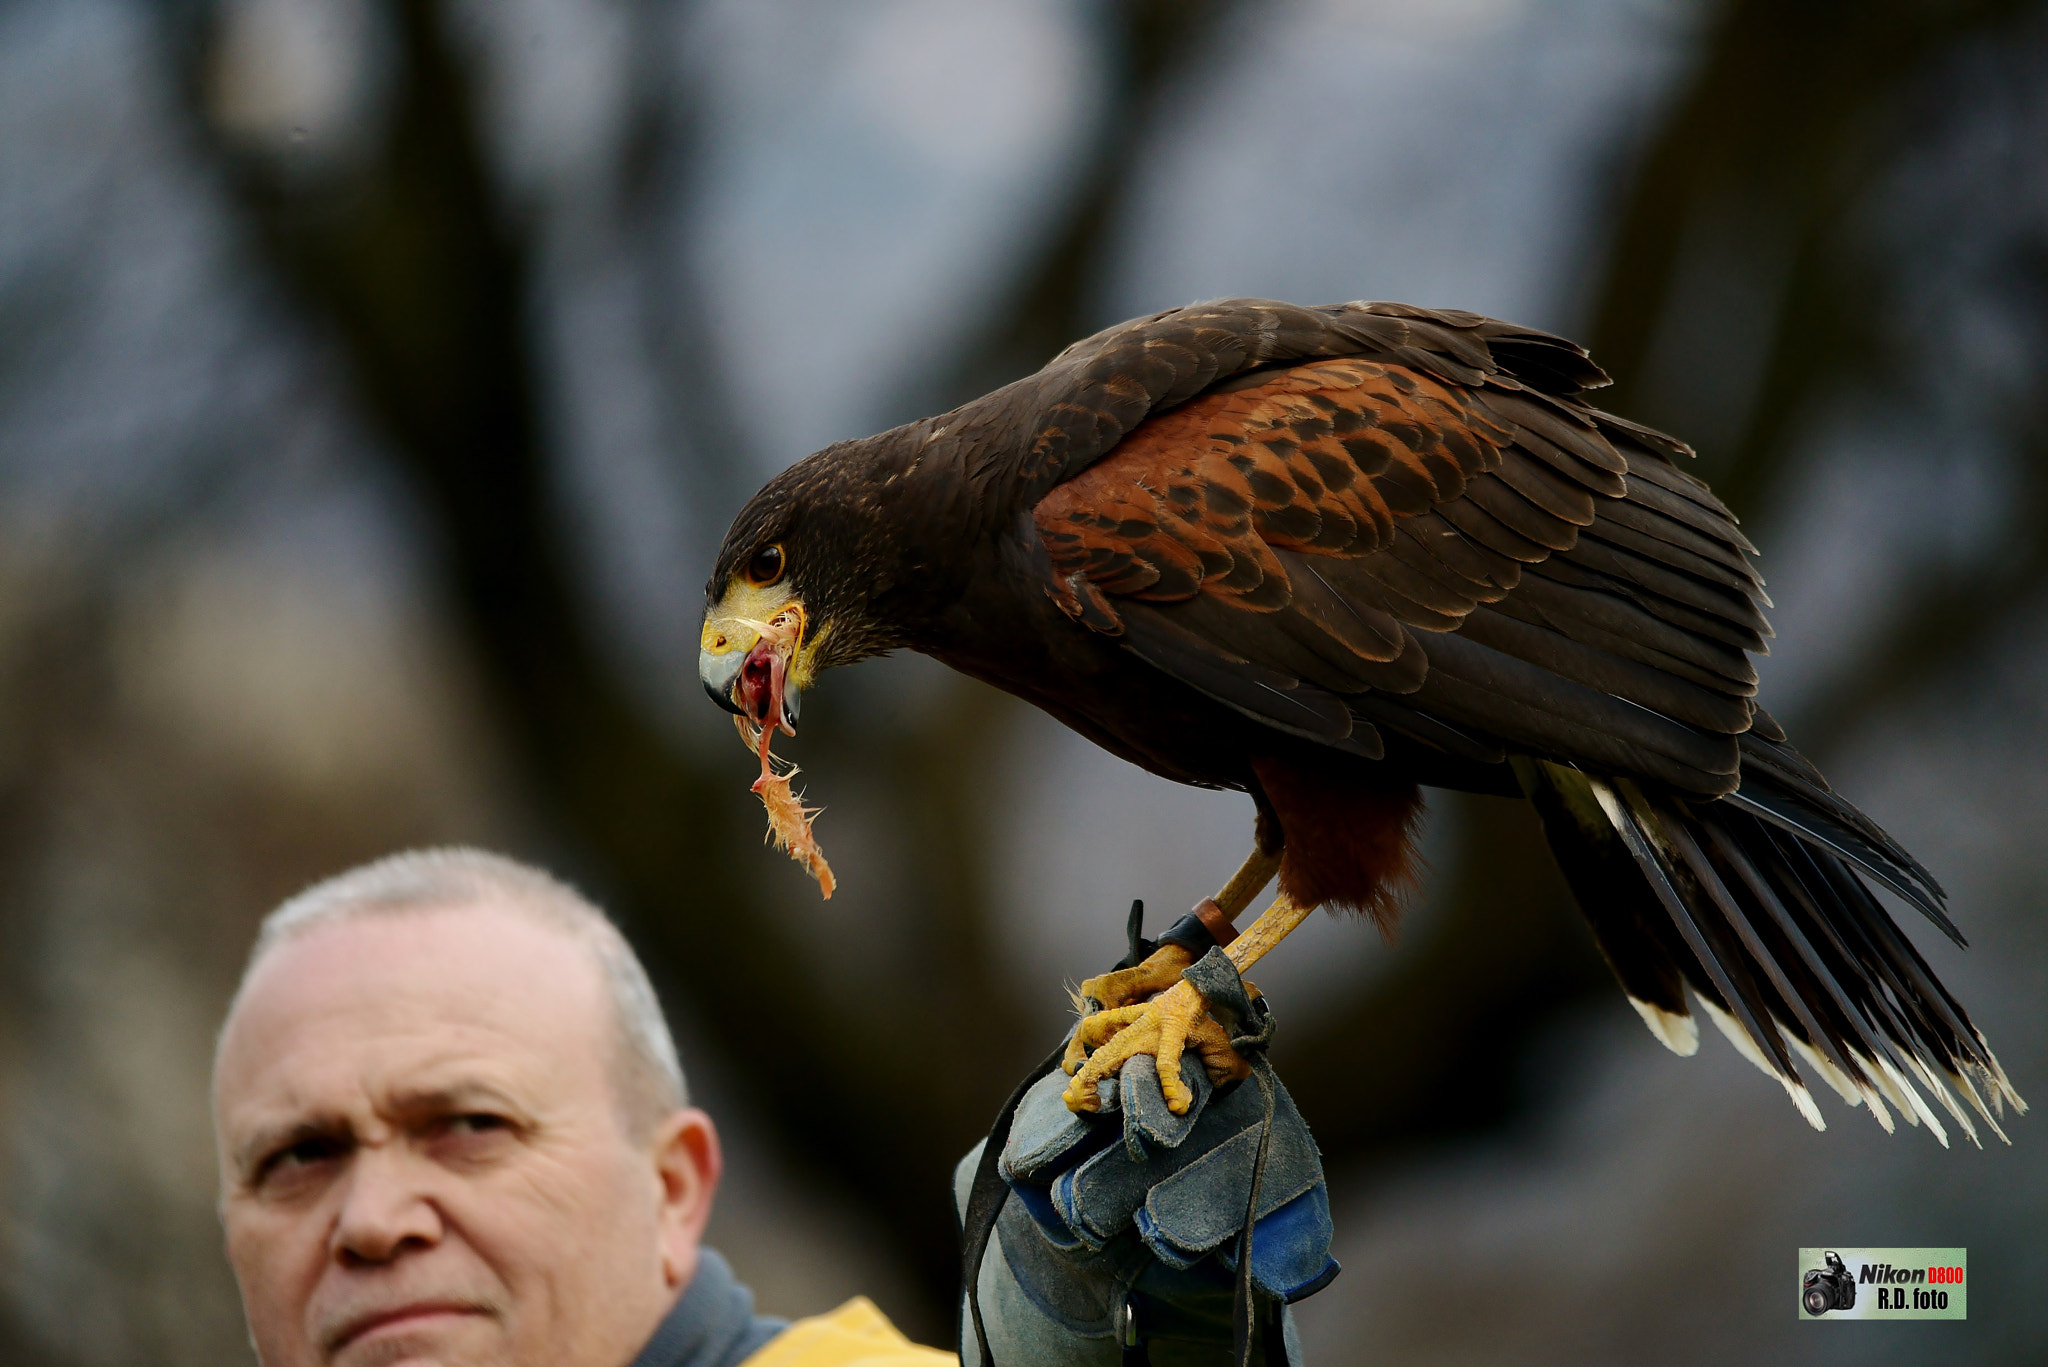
(414, 999)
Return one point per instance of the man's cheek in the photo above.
(548, 1225)
(560, 1189)
(277, 1260)
(274, 1300)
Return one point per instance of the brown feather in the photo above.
(1350, 844)
(1547, 491)
(1597, 553)
(1721, 527)
(1522, 517)
(1489, 531)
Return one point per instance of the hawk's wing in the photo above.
(1349, 542)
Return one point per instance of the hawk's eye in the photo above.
(766, 567)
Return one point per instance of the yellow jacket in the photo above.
(855, 1335)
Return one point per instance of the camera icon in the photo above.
(1827, 1288)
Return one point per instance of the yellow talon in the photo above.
(1163, 1027)
(1126, 985)
(1094, 1031)
(1115, 999)
(1177, 1017)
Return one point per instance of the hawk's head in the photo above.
(810, 576)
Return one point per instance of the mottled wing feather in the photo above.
(1487, 563)
(1320, 458)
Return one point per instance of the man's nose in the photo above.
(386, 1209)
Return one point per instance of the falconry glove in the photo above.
(1121, 1234)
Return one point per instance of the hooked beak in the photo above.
(719, 673)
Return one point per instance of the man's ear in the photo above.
(688, 1164)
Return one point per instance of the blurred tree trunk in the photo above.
(1054, 297)
(415, 269)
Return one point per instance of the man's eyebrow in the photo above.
(464, 1094)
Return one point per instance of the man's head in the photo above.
(452, 1127)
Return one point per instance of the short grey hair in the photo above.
(648, 1072)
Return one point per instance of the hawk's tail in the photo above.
(1756, 903)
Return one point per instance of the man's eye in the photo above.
(473, 1133)
(306, 1153)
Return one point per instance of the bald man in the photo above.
(452, 1129)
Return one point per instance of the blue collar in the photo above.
(712, 1324)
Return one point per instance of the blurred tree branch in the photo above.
(1054, 297)
(1794, 115)
(1791, 110)
(659, 189)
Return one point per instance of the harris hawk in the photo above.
(1329, 556)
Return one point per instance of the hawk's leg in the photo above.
(1162, 970)
(1171, 1023)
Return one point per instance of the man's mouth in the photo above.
(400, 1319)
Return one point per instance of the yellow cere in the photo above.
(735, 621)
